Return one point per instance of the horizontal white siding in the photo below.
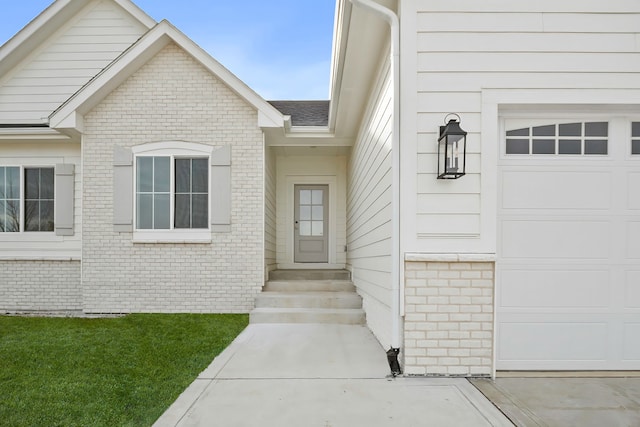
(466, 47)
(509, 6)
(369, 208)
(76, 53)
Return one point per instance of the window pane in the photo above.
(13, 183)
(3, 214)
(12, 216)
(305, 228)
(596, 129)
(32, 181)
(199, 211)
(318, 213)
(571, 129)
(46, 183)
(161, 174)
(32, 215)
(517, 146)
(596, 146)
(316, 198)
(635, 129)
(549, 130)
(144, 211)
(161, 214)
(39, 199)
(518, 132)
(305, 213)
(183, 211)
(544, 146)
(9, 199)
(3, 188)
(46, 215)
(570, 146)
(200, 176)
(635, 147)
(183, 175)
(144, 174)
(317, 228)
(305, 197)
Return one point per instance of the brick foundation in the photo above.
(449, 318)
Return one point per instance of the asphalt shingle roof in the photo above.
(304, 113)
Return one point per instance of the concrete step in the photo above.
(318, 274)
(309, 286)
(352, 316)
(309, 300)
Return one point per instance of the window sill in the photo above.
(172, 236)
(31, 236)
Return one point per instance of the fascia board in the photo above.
(339, 49)
(31, 134)
(73, 121)
(137, 13)
(141, 52)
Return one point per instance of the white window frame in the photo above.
(173, 150)
(22, 234)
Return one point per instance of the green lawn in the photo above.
(110, 372)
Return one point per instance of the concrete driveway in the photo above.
(321, 375)
(584, 402)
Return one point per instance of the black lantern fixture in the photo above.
(452, 149)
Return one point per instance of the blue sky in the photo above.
(280, 48)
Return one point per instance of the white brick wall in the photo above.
(171, 98)
(449, 318)
(40, 285)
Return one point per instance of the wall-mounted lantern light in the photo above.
(452, 149)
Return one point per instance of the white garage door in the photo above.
(568, 271)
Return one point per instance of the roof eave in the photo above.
(338, 52)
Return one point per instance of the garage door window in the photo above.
(635, 138)
(581, 138)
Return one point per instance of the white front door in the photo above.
(311, 225)
(568, 271)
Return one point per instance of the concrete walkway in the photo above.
(321, 375)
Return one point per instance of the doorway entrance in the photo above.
(311, 225)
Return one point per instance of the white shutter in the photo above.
(122, 189)
(221, 189)
(64, 199)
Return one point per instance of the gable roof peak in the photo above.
(68, 115)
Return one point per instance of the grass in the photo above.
(104, 372)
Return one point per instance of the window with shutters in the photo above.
(168, 192)
(26, 199)
(172, 192)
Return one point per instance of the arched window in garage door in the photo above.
(580, 138)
